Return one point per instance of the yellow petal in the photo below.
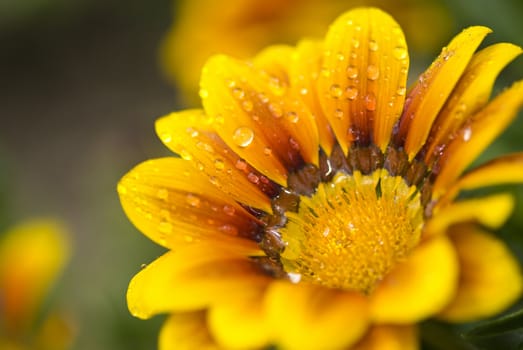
(173, 204)
(258, 118)
(471, 93)
(275, 61)
(363, 77)
(418, 287)
(427, 96)
(503, 170)
(310, 317)
(193, 278)
(476, 135)
(490, 276)
(240, 324)
(304, 73)
(32, 255)
(388, 337)
(491, 211)
(186, 331)
(188, 133)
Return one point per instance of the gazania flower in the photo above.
(316, 201)
(32, 256)
(206, 27)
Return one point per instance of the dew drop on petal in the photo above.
(372, 72)
(219, 164)
(185, 154)
(335, 90)
(243, 136)
(247, 106)
(352, 72)
(267, 151)
(166, 137)
(293, 117)
(162, 193)
(275, 110)
(399, 52)
(192, 200)
(340, 56)
(467, 134)
(338, 113)
(241, 164)
(351, 92)
(355, 43)
(294, 277)
(370, 102)
(373, 45)
(401, 91)
(229, 210)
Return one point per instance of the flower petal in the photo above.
(304, 73)
(502, 170)
(240, 324)
(275, 61)
(363, 78)
(193, 278)
(470, 94)
(186, 331)
(490, 277)
(476, 135)
(307, 316)
(427, 96)
(418, 287)
(388, 337)
(258, 118)
(491, 211)
(189, 134)
(32, 255)
(172, 205)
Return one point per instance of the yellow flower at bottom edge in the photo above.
(315, 204)
(32, 256)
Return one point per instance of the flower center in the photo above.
(352, 231)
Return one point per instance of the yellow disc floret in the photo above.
(352, 231)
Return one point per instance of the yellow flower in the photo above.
(32, 255)
(315, 204)
(240, 29)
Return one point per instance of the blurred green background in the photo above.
(80, 89)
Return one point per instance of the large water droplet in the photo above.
(373, 72)
(351, 92)
(243, 136)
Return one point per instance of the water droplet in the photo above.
(338, 113)
(340, 56)
(229, 229)
(263, 98)
(243, 136)
(294, 277)
(294, 144)
(352, 72)
(335, 90)
(219, 164)
(276, 110)
(247, 106)
(162, 193)
(252, 177)
(351, 92)
(293, 117)
(165, 227)
(373, 72)
(355, 43)
(185, 154)
(467, 133)
(326, 231)
(166, 137)
(192, 200)
(238, 93)
(267, 151)
(373, 45)
(304, 91)
(241, 164)
(400, 52)
(401, 90)
(370, 101)
(203, 93)
(229, 210)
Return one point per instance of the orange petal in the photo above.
(490, 276)
(470, 94)
(32, 255)
(306, 316)
(193, 278)
(427, 96)
(476, 135)
(240, 324)
(304, 73)
(173, 204)
(491, 211)
(503, 170)
(418, 287)
(188, 133)
(363, 78)
(258, 118)
(186, 331)
(388, 337)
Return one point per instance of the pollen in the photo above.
(352, 231)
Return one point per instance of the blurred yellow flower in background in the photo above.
(241, 28)
(32, 257)
(316, 201)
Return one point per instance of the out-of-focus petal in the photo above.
(186, 331)
(387, 337)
